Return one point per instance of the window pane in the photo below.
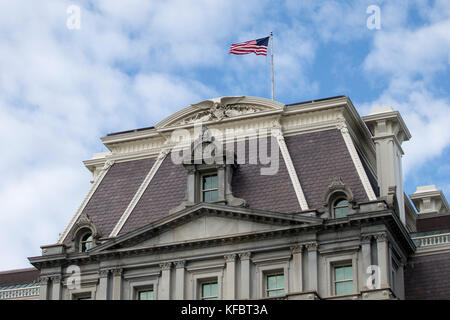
(210, 196)
(85, 298)
(209, 182)
(271, 282)
(209, 291)
(344, 287)
(146, 295)
(343, 273)
(342, 203)
(274, 293)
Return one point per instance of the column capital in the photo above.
(44, 280)
(165, 265)
(380, 236)
(117, 271)
(245, 255)
(56, 278)
(103, 273)
(230, 257)
(366, 238)
(179, 264)
(312, 246)
(298, 248)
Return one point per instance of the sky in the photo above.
(132, 63)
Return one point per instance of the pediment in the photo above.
(206, 227)
(205, 222)
(219, 109)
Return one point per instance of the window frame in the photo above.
(83, 242)
(144, 289)
(202, 191)
(342, 264)
(334, 206)
(204, 282)
(269, 274)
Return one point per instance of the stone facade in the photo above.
(145, 227)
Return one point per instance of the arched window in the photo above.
(86, 242)
(340, 208)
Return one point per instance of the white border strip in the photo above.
(291, 170)
(357, 161)
(88, 197)
(162, 155)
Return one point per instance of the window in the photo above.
(82, 296)
(343, 279)
(210, 188)
(145, 294)
(275, 285)
(86, 242)
(209, 291)
(340, 208)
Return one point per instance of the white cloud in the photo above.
(410, 62)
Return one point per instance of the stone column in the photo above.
(164, 291)
(43, 289)
(366, 259)
(56, 287)
(117, 283)
(297, 285)
(245, 275)
(179, 279)
(231, 276)
(383, 261)
(312, 266)
(221, 182)
(102, 292)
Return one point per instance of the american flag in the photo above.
(258, 47)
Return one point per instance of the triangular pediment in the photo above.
(219, 109)
(205, 222)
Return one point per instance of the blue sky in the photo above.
(134, 62)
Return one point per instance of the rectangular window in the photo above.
(210, 188)
(274, 285)
(82, 296)
(343, 280)
(145, 294)
(209, 291)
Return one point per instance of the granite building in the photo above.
(248, 198)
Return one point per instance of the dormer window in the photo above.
(210, 188)
(340, 208)
(210, 170)
(86, 242)
(338, 199)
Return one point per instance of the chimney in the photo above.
(389, 132)
(428, 199)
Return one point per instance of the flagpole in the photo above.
(271, 58)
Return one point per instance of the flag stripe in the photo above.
(258, 47)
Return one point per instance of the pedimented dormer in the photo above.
(210, 168)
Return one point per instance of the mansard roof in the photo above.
(139, 188)
(19, 277)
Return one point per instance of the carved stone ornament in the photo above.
(312, 246)
(297, 249)
(165, 265)
(245, 255)
(218, 111)
(84, 222)
(180, 264)
(108, 164)
(337, 186)
(230, 257)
